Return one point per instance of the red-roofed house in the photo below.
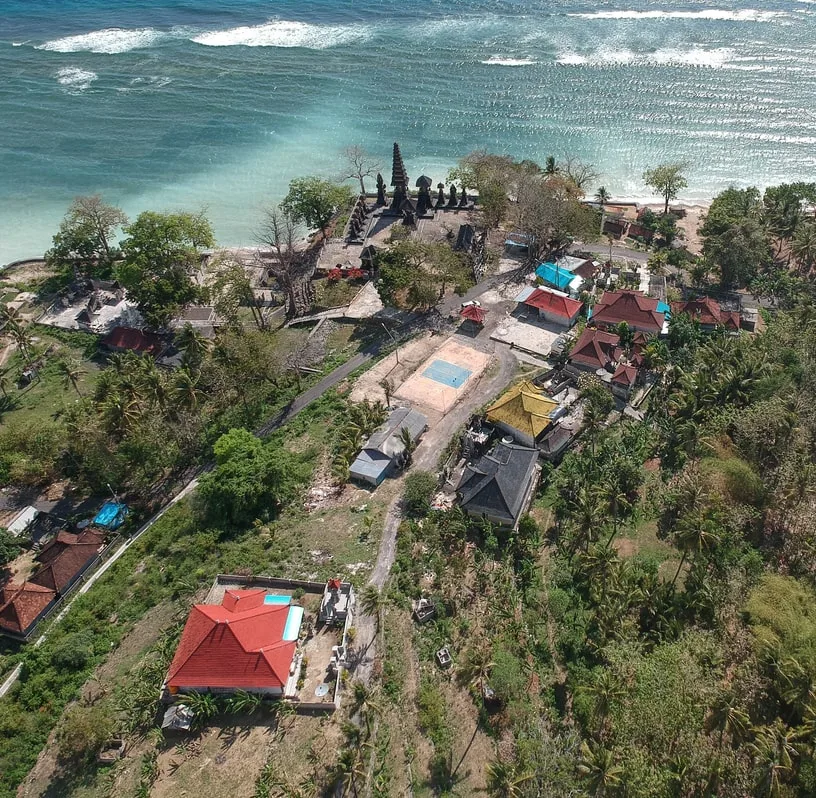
(595, 349)
(624, 380)
(638, 311)
(65, 558)
(236, 645)
(21, 606)
(708, 313)
(554, 306)
(129, 339)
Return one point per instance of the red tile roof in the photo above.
(553, 302)
(237, 644)
(133, 340)
(21, 605)
(473, 313)
(634, 308)
(65, 557)
(708, 312)
(596, 348)
(625, 375)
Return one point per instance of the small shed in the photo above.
(473, 314)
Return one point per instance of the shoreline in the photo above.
(693, 208)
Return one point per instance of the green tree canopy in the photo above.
(85, 237)
(160, 252)
(667, 180)
(313, 201)
(250, 480)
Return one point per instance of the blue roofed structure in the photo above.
(559, 278)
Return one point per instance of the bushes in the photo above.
(83, 731)
(420, 487)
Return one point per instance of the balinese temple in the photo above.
(399, 180)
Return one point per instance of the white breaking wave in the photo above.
(496, 60)
(109, 41)
(284, 33)
(718, 58)
(745, 15)
(75, 79)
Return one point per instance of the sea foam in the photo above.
(109, 41)
(717, 58)
(75, 79)
(496, 60)
(284, 33)
(743, 15)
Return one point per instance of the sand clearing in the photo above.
(441, 396)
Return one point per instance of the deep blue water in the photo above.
(158, 104)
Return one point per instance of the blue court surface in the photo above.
(447, 373)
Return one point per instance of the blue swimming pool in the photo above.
(270, 599)
(447, 373)
(292, 629)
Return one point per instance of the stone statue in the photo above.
(381, 198)
(463, 198)
(452, 198)
(440, 197)
(424, 200)
(408, 216)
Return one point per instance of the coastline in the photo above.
(694, 211)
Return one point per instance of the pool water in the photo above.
(272, 599)
(292, 629)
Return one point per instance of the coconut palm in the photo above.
(193, 344)
(803, 247)
(477, 665)
(602, 197)
(597, 766)
(372, 602)
(409, 444)
(605, 691)
(71, 371)
(774, 754)
(696, 536)
(184, 392)
(505, 781)
(729, 718)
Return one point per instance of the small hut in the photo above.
(473, 315)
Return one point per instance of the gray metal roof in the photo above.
(387, 438)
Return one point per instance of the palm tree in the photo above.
(119, 413)
(193, 344)
(372, 602)
(70, 370)
(504, 780)
(597, 766)
(774, 753)
(695, 535)
(477, 665)
(606, 690)
(388, 388)
(4, 382)
(184, 392)
(728, 718)
(409, 445)
(803, 247)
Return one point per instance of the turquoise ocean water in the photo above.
(166, 104)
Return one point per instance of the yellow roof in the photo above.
(525, 408)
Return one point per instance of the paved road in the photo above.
(618, 253)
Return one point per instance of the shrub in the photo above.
(83, 732)
(419, 489)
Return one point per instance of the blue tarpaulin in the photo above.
(552, 275)
(111, 516)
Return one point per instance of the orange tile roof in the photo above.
(596, 348)
(553, 302)
(237, 644)
(707, 311)
(625, 375)
(21, 605)
(634, 308)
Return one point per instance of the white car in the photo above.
(474, 302)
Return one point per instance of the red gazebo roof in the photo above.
(473, 313)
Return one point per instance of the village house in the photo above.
(384, 452)
(129, 339)
(525, 412)
(22, 606)
(499, 486)
(596, 349)
(624, 380)
(552, 306)
(637, 310)
(708, 314)
(248, 642)
(553, 276)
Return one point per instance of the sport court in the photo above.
(444, 377)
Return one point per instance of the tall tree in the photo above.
(71, 371)
(313, 201)
(161, 252)
(359, 165)
(279, 232)
(85, 237)
(667, 180)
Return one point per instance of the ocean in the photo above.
(198, 104)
